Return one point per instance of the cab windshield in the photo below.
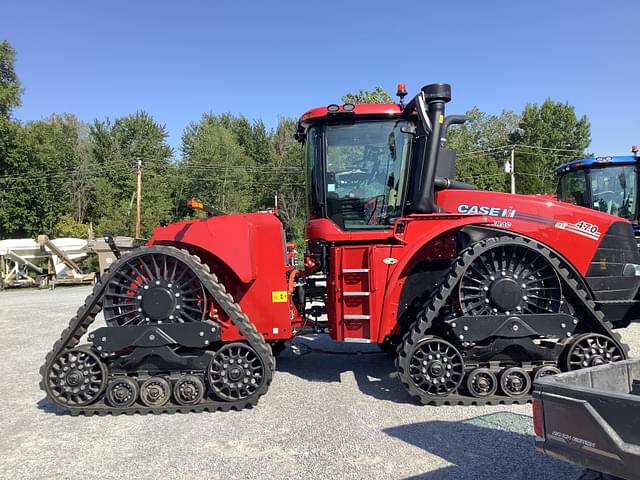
(613, 190)
(364, 172)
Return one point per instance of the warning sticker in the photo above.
(279, 296)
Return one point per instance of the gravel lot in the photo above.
(325, 416)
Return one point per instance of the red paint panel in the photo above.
(550, 222)
(360, 109)
(251, 247)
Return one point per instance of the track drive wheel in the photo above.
(154, 285)
(431, 368)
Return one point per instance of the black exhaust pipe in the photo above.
(435, 96)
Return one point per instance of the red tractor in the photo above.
(478, 293)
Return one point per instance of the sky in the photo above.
(180, 59)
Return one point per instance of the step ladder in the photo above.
(356, 294)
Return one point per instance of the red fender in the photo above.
(419, 232)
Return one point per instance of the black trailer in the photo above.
(591, 417)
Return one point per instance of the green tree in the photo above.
(10, 91)
(478, 145)
(287, 179)
(547, 135)
(117, 149)
(215, 168)
(37, 185)
(377, 95)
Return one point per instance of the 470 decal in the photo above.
(508, 212)
(583, 228)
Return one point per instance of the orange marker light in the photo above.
(402, 90)
(195, 204)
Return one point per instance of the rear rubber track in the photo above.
(586, 310)
(86, 315)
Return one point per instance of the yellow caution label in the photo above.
(279, 296)
(441, 119)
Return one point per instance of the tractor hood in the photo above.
(536, 209)
(599, 245)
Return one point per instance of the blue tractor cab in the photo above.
(607, 184)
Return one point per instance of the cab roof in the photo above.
(595, 161)
(391, 109)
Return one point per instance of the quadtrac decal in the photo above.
(585, 229)
(508, 212)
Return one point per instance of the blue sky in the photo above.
(178, 60)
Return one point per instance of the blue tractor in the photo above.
(607, 184)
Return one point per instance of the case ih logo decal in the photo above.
(485, 210)
(585, 229)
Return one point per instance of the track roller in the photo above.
(546, 370)
(188, 390)
(515, 382)
(122, 392)
(155, 392)
(481, 382)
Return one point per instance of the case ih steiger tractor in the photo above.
(478, 293)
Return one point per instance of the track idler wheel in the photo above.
(545, 371)
(155, 392)
(515, 382)
(188, 390)
(122, 392)
(482, 382)
(432, 368)
(76, 378)
(236, 372)
(590, 350)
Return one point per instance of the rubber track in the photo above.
(430, 313)
(86, 315)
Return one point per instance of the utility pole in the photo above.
(138, 197)
(513, 170)
(510, 167)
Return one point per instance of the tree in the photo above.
(547, 135)
(39, 165)
(215, 168)
(10, 91)
(377, 95)
(288, 179)
(117, 148)
(478, 142)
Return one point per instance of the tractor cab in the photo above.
(356, 170)
(359, 159)
(606, 184)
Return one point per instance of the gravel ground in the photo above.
(325, 416)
